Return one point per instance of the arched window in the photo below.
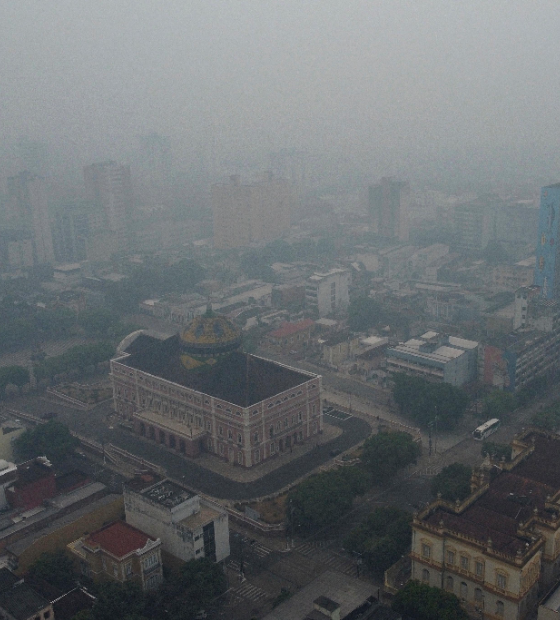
(426, 576)
(449, 584)
(477, 594)
(464, 590)
(499, 608)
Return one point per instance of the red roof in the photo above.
(287, 329)
(118, 538)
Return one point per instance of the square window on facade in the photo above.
(426, 550)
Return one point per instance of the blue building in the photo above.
(547, 267)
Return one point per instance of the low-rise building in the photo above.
(436, 357)
(292, 335)
(120, 552)
(189, 526)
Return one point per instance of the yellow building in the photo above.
(120, 552)
(499, 549)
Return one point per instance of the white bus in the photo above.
(486, 429)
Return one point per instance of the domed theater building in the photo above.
(197, 391)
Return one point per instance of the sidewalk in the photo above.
(240, 474)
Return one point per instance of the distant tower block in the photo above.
(388, 205)
(547, 267)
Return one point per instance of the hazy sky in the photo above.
(387, 84)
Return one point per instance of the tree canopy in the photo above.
(77, 358)
(496, 450)
(499, 405)
(323, 499)
(384, 454)
(16, 375)
(422, 401)
(423, 602)
(453, 482)
(52, 440)
(363, 313)
(381, 538)
(56, 568)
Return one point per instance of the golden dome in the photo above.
(210, 335)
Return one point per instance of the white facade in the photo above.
(189, 527)
(328, 292)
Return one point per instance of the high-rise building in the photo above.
(28, 210)
(109, 187)
(547, 267)
(244, 214)
(388, 204)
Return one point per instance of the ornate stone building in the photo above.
(499, 549)
(197, 392)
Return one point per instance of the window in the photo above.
(230, 433)
(449, 584)
(271, 430)
(47, 615)
(451, 557)
(426, 576)
(220, 430)
(477, 594)
(479, 569)
(256, 456)
(499, 608)
(239, 438)
(285, 422)
(299, 416)
(256, 437)
(209, 425)
(464, 562)
(240, 457)
(271, 447)
(426, 550)
(104, 564)
(464, 590)
(150, 561)
(501, 581)
(128, 569)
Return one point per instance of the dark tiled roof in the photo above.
(22, 602)
(239, 378)
(510, 500)
(7, 579)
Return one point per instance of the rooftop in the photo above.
(168, 494)
(239, 378)
(287, 329)
(22, 602)
(510, 500)
(118, 538)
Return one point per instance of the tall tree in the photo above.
(453, 482)
(52, 440)
(422, 602)
(384, 454)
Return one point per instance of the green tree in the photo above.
(118, 601)
(381, 538)
(323, 499)
(56, 568)
(424, 401)
(17, 375)
(384, 454)
(422, 602)
(499, 405)
(496, 450)
(363, 313)
(453, 482)
(52, 440)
